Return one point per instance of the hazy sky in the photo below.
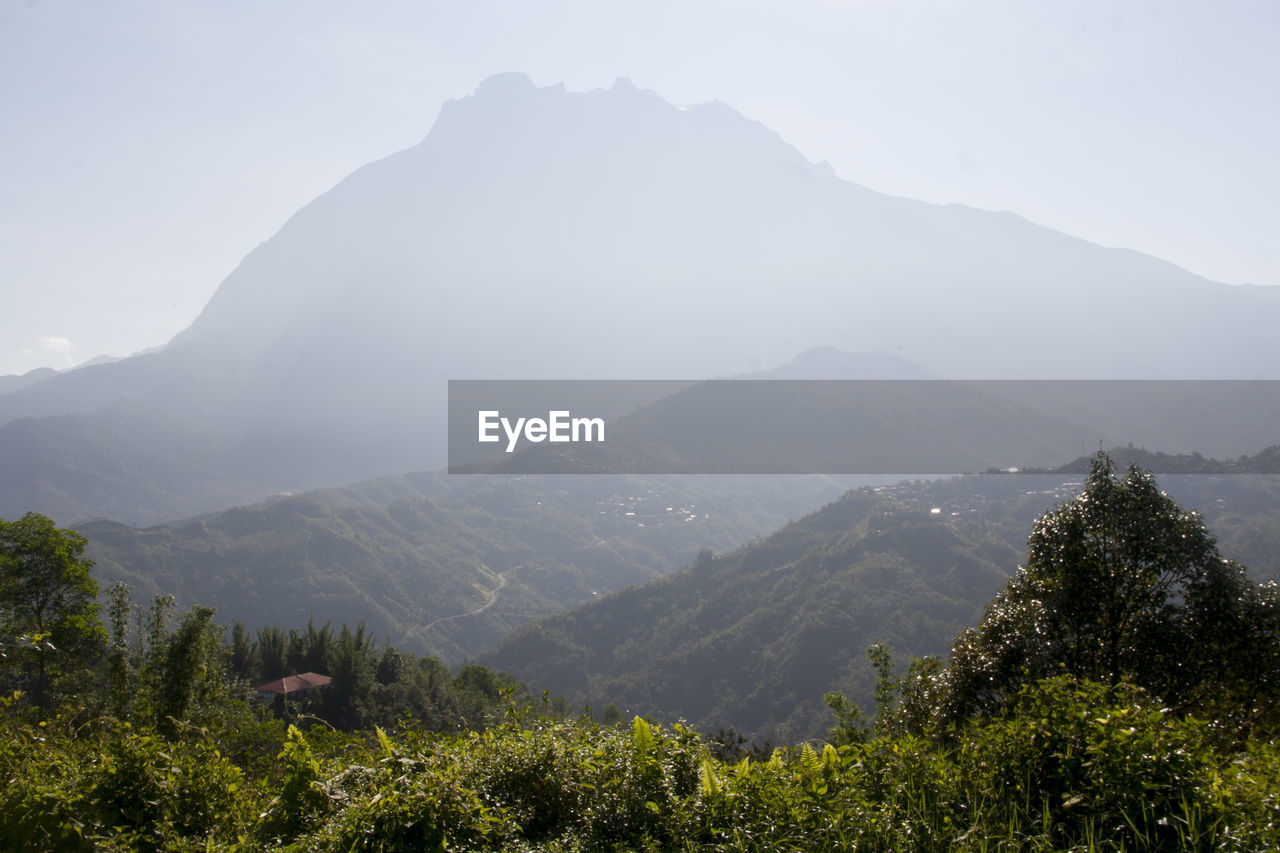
(146, 147)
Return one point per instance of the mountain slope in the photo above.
(754, 638)
(542, 233)
(435, 566)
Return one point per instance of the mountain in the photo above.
(1265, 463)
(537, 232)
(18, 381)
(829, 362)
(754, 638)
(435, 564)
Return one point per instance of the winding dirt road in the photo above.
(492, 595)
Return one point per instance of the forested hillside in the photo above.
(753, 638)
(438, 566)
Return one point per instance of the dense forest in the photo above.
(753, 638)
(1120, 691)
(438, 566)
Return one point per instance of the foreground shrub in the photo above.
(1067, 766)
(1071, 760)
(150, 791)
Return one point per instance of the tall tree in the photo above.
(242, 656)
(48, 606)
(1120, 584)
(193, 669)
(273, 652)
(348, 696)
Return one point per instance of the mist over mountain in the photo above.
(537, 232)
(828, 362)
(18, 381)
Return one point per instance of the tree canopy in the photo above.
(1123, 584)
(49, 623)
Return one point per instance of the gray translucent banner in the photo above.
(904, 427)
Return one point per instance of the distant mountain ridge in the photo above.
(537, 232)
(18, 381)
(829, 362)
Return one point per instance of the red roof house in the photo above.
(294, 683)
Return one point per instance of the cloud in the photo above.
(60, 347)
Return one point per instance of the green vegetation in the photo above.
(1122, 584)
(438, 570)
(1094, 740)
(49, 628)
(752, 639)
(1065, 765)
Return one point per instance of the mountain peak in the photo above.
(537, 232)
(505, 84)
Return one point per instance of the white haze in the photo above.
(149, 146)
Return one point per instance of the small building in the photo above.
(293, 684)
